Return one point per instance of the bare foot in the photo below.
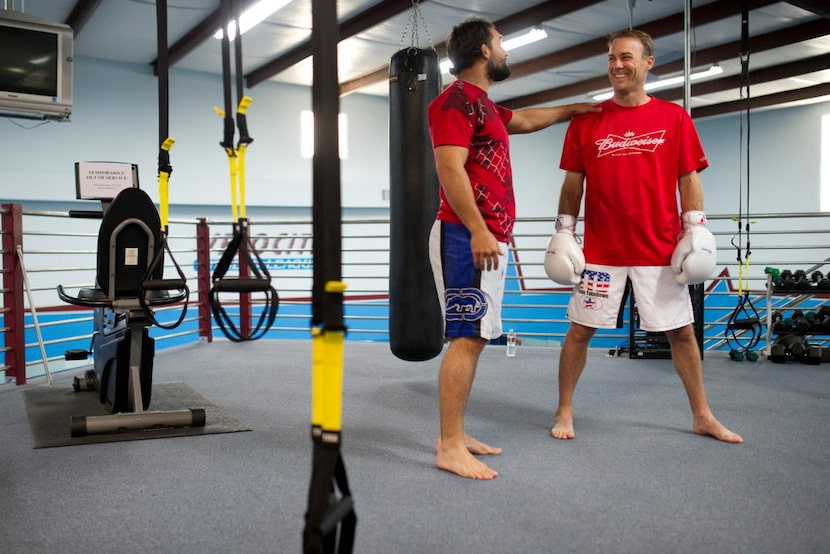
(461, 462)
(474, 446)
(708, 425)
(564, 426)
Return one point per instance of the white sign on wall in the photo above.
(103, 180)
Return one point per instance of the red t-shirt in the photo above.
(632, 159)
(463, 115)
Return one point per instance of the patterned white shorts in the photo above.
(598, 300)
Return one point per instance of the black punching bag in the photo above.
(416, 325)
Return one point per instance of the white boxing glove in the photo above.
(564, 260)
(695, 256)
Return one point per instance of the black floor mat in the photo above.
(49, 410)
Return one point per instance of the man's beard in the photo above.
(498, 73)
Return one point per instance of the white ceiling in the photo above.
(125, 31)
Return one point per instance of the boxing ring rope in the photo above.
(58, 247)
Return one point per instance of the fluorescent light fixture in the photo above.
(534, 35)
(253, 15)
(663, 83)
(516, 41)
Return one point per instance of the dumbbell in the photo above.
(822, 282)
(778, 353)
(813, 355)
(823, 318)
(778, 324)
(788, 280)
(802, 323)
(736, 355)
(794, 347)
(802, 281)
(775, 274)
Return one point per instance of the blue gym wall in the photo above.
(115, 119)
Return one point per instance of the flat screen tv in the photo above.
(35, 67)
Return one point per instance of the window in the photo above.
(307, 135)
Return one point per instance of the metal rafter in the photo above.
(81, 14)
(767, 41)
(530, 17)
(366, 19)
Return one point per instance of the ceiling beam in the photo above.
(764, 75)
(81, 14)
(818, 7)
(757, 102)
(767, 41)
(527, 18)
(380, 12)
(658, 28)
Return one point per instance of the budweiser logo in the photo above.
(613, 144)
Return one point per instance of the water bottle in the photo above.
(511, 343)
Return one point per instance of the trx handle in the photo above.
(260, 282)
(163, 292)
(325, 511)
(241, 285)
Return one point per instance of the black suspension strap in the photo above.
(253, 275)
(153, 284)
(743, 328)
(330, 519)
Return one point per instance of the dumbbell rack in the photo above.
(799, 295)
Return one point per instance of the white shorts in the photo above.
(470, 299)
(598, 300)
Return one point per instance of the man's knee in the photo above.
(580, 334)
(681, 334)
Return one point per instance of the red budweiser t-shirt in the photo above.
(632, 158)
(463, 115)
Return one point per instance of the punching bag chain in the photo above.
(413, 21)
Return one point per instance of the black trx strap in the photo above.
(153, 283)
(330, 521)
(743, 328)
(240, 247)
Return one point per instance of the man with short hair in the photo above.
(468, 241)
(633, 159)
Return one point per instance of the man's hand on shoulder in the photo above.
(584, 107)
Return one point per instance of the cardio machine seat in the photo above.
(98, 298)
(129, 240)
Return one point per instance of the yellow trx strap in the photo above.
(164, 186)
(244, 102)
(327, 376)
(236, 164)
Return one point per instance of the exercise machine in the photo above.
(129, 286)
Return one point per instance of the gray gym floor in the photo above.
(635, 479)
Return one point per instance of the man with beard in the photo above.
(468, 241)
